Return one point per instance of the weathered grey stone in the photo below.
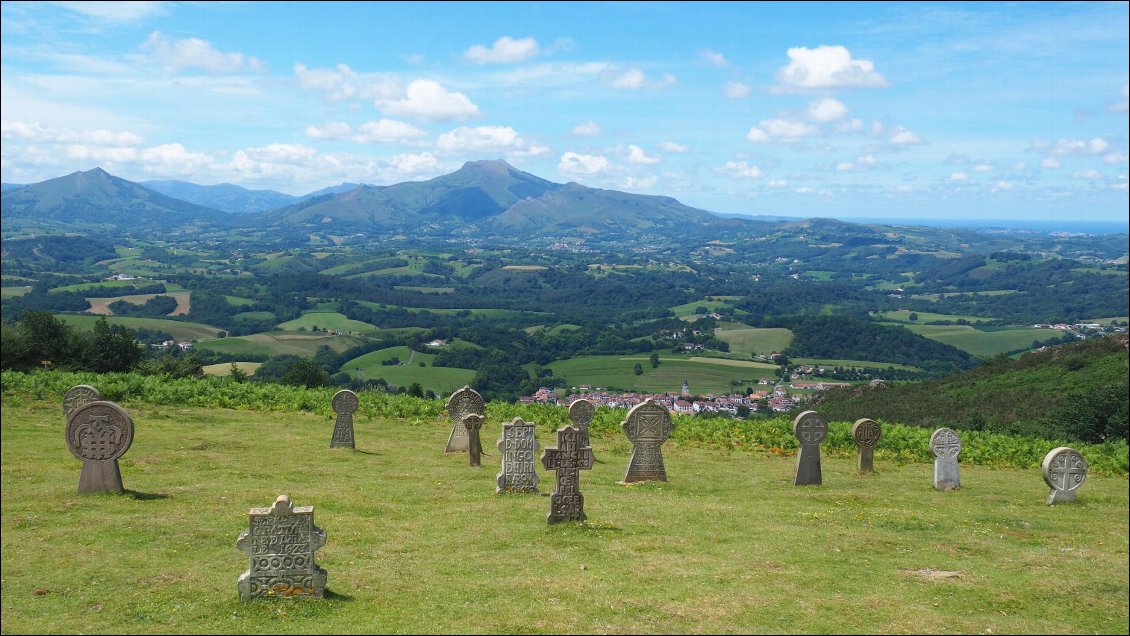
(345, 404)
(465, 401)
(568, 458)
(518, 446)
(581, 412)
(810, 429)
(77, 396)
(647, 426)
(946, 446)
(99, 433)
(473, 423)
(281, 541)
(1064, 470)
(866, 434)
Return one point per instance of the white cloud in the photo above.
(710, 57)
(99, 154)
(644, 183)
(736, 90)
(39, 133)
(480, 138)
(588, 129)
(903, 137)
(1003, 186)
(1089, 175)
(1124, 105)
(983, 167)
(826, 109)
(116, 11)
(780, 130)
(1050, 162)
(637, 155)
(777, 183)
(197, 53)
(506, 50)
(757, 136)
(429, 101)
(670, 146)
(574, 163)
(1115, 158)
(415, 164)
(631, 79)
(862, 163)
(827, 67)
(849, 126)
(1077, 147)
(742, 170)
(383, 131)
(173, 160)
(958, 177)
(330, 130)
(342, 82)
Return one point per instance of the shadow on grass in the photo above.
(588, 527)
(144, 496)
(365, 452)
(331, 595)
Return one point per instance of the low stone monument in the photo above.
(77, 396)
(1064, 470)
(345, 404)
(465, 401)
(945, 445)
(866, 434)
(647, 426)
(810, 429)
(568, 458)
(473, 423)
(518, 445)
(581, 412)
(99, 433)
(281, 541)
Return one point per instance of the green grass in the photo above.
(937, 297)
(280, 343)
(12, 292)
(983, 343)
(684, 311)
(105, 285)
(326, 320)
(426, 290)
(178, 329)
(705, 375)
(750, 340)
(485, 312)
(239, 301)
(441, 380)
(858, 364)
(223, 369)
(419, 543)
(903, 316)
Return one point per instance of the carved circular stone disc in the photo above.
(99, 431)
(79, 395)
(345, 401)
(1064, 468)
(945, 443)
(866, 433)
(581, 411)
(810, 428)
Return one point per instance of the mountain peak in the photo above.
(488, 165)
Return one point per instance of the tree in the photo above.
(107, 350)
(654, 360)
(416, 390)
(237, 374)
(306, 372)
(913, 316)
(638, 369)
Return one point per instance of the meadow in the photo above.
(705, 375)
(326, 320)
(984, 344)
(281, 343)
(179, 329)
(754, 340)
(414, 367)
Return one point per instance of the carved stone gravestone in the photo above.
(810, 429)
(647, 426)
(281, 541)
(581, 412)
(518, 445)
(465, 401)
(866, 434)
(77, 396)
(345, 404)
(99, 433)
(568, 458)
(473, 423)
(945, 445)
(1064, 470)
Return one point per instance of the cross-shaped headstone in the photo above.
(647, 426)
(945, 445)
(518, 446)
(568, 458)
(345, 404)
(810, 429)
(473, 423)
(465, 401)
(1064, 470)
(866, 434)
(99, 433)
(581, 412)
(281, 541)
(77, 396)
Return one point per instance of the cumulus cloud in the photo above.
(862, 163)
(116, 11)
(506, 50)
(1123, 105)
(588, 129)
(741, 170)
(958, 177)
(1089, 175)
(826, 67)
(428, 100)
(575, 163)
(780, 130)
(39, 133)
(197, 53)
(902, 137)
(826, 109)
(670, 146)
(712, 58)
(342, 82)
(637, 155)
(1003, 186)
(480, 138)
(631, 79)
(736, 90)
(1115, 158)
(1050, 162)
(382, 131)
(983, 167)
(173, 159)
(643, 183)
(412, 164)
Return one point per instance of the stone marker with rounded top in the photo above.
(866, 434)
(465, 401)
(946, 445)
(810, 429)
(99, 433)
(568, 458)
(647, 426)
(1064, 469)
(79, 395)
(344, 404)
(581, 412)
(280, 542)
(518, 446)
(473, 423)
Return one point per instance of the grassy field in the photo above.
(705, 375)
(12, 292)
(983, 343)
(903, 316)
(107, 285)
(937, 297)
(101, 306)
(857, 364)
(750, 340)
(486, 312)
(326, 320)
(178, 329)
(223, 369)
(279, 343)
(419, 543)
(441, 380)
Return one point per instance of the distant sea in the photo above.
(1071, 226)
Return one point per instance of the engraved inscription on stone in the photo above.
(1064, 469)
(647, 426)
(79, 395)
(519, 446)
(473, 423)
(945, 445)
(345, 404)
(866, 434)
(568, 458)
(280, 542)
(99, 433)
(465, 401)
(810, 429)
(581, 412)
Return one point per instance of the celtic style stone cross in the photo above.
(945, 445)
(99, 433)
(77, 396)
(472, 424)
(463, 402)
(281, 541)
(518, 446)
(1064, 470)
(345, 404)
(647, 426)
(568, 458)
(810, 428)
(581, 412)
(866, 434)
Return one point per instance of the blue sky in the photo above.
(895, 110)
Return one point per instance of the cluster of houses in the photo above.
(777, 400)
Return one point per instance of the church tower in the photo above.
(686, 388)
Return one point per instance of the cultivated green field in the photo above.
(178, 329)
(12, 292)
(857, 364)
(223, 369)
(326, 320)
(985, 344)
(280, 343)
(903, 316)
(486, 312)
(937, 297)
(102, 305)
(705, 375)
(750, 340)
(441, 380)
(104, 285)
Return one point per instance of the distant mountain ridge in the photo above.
(223, 196)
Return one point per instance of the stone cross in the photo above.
(77, 396)
(281, 541)
(568, 458)
(99, 433)
(1064, 470)
(518, 445)
(866, 434)
(581, 412)
(810, 428)
(473, 423)
(945, 445)
(647, 426)
(463, 402)
(345, 404)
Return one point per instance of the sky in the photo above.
(847, 110)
